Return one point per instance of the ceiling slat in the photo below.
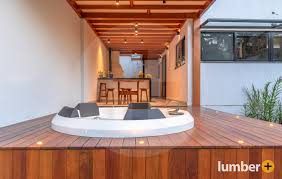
(157, 22)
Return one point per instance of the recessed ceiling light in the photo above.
(136, 34)
(136, 25)
(109, 41)
(125, 41)
(117, 2)
(39, 143)
(142, 41)
(241, 142)
(141, 142)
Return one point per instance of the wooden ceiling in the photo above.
(138, 26)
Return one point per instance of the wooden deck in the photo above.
(33, 150)
(212, 130)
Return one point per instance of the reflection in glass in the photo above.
(277, 46)
(251, 46)
(217, 46)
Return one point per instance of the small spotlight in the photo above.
(136, 34)
(136, 30)
(238, 117)
(117, 2)
(241, 142)
(136, 25)
(142, 41)
(271, 125)
(39, 143)
(109, 41)
(141, 142)
(125, 41)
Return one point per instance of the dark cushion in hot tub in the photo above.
(68, 112)
(143, 114)
(88, 109)
(139, 106)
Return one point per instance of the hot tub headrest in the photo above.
(143, 114)
(68, 112)
(139, 106)
(88, 109)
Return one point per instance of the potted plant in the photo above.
(141, 74)
(100, 74)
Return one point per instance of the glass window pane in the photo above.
(217, 46)
(251, 46)
(277, 46)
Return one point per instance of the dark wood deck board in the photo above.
(212, 129)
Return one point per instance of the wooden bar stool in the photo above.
(113, 96)
(146, 92)
(102, 91)
(126, 97)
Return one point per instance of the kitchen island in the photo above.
(135, 85)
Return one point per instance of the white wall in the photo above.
(40, 58)
(153, 67)
(242, 9)
(222, 84)
(116, 67)
(177, 79)
(96, 58)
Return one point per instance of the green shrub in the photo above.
(264, 104)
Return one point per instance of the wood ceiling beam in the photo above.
(110, 21)
(167, 36)
(117, 26)
(140, 15)
(134, 19)
(75, 7)
(126, 7)
(136, 43)
(192, 1)
(115, 29)
(140, 31)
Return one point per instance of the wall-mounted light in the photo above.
(178, 32)
(117, 2)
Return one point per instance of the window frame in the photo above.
(181, 42)
(270, 55)
(219, 60)
(271, 34)
(246, 60)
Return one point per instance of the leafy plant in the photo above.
(264, 104)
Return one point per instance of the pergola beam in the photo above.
(151, 7)
(139, 15)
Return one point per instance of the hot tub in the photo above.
(110, 124)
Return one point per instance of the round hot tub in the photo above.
(110, 124)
